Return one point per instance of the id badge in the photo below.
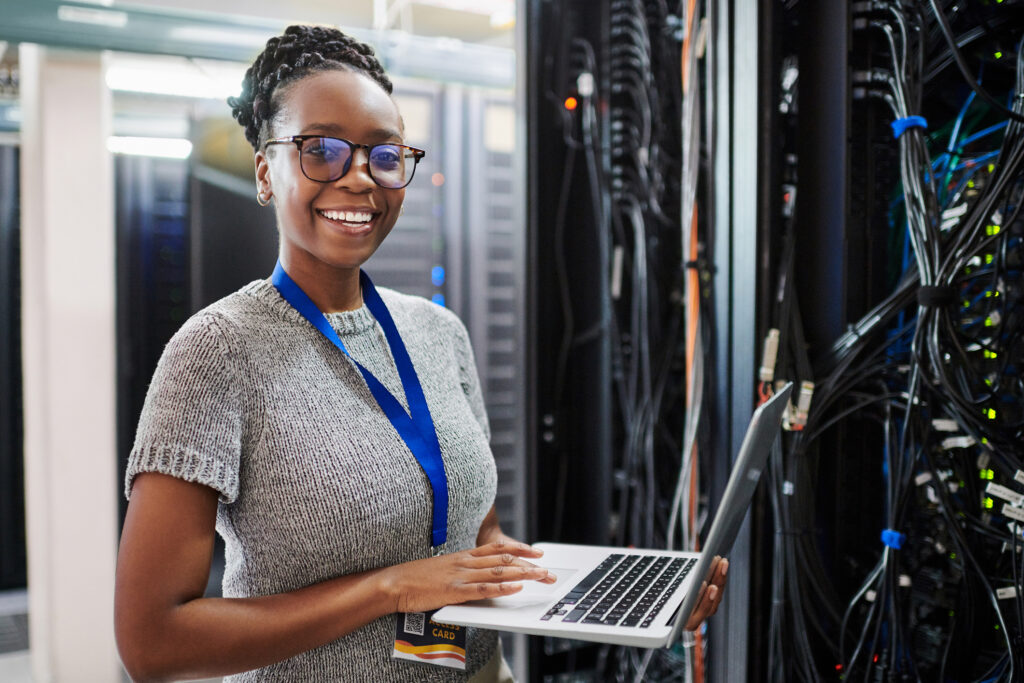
(420, 639)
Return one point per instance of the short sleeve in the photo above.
(191, 423)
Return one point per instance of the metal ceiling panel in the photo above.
(87, 26)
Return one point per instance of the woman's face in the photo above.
(339, 224)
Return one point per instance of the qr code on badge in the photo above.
(414, 623)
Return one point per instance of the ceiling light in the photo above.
(180, 78)
(203, 34)
(475, 6)
(167, 148)
(96, 17)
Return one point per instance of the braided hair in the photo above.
(301, 50)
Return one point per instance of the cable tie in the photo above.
(900, 126)
(893, 538)
(692, 264)
(936, 297)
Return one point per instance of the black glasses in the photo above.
(324, 159)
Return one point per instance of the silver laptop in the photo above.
(624, 595)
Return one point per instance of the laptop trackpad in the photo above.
(535, 593)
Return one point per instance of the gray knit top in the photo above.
(251, 400)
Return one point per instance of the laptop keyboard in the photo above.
(624, 590)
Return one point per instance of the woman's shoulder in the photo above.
(422, 313)
(221, 322)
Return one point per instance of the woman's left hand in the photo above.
(710, 594)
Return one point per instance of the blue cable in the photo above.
(976, 162)
(958, 123)
(982, 133)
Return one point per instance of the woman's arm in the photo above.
(166, 630)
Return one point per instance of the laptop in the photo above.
(627, 596)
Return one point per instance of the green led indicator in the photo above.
(999, 55)
(992, 230)
(991, 413)
(989, 503)
(988, 322)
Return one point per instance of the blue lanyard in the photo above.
(416, 430)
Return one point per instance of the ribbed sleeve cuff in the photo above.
(183, 464)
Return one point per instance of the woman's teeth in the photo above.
(347, 216)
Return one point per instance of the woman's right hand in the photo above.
(487, 571)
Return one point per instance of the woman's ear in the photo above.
(263, 185)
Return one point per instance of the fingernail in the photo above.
(725, 567)
(713, 592)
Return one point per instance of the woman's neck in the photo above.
(333, 290)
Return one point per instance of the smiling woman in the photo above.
(334, 434)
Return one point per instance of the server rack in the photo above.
(12, 498)
(906, 164)
(152, 280)
(577, 426)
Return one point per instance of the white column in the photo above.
(68, 347)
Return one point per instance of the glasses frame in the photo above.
(297, 140)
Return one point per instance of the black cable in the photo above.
(947, 33)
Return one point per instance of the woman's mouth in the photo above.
(353, 220)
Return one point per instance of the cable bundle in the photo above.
(932, 374)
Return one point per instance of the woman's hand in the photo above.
(710, 595)
(487, 571)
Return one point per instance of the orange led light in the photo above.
(571, 103)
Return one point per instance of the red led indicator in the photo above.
(571, 103)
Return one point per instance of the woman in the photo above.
(269, 420)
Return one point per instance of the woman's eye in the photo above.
(386, 157)
(322, 150)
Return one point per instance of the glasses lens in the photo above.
(392, 165)
(325, 159)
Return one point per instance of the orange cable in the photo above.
(693, 308)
